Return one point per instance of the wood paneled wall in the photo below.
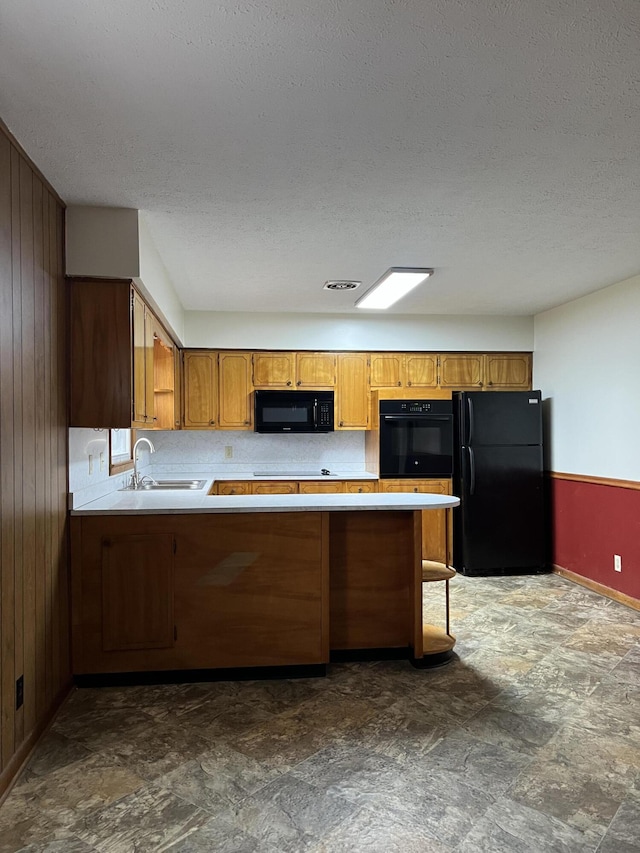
(34, 598)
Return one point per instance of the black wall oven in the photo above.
(416, 438)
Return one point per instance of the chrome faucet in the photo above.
(136, 480)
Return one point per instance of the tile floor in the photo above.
(529, 741)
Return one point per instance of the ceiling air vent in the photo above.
(341, 284)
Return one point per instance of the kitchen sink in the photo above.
(171, 485)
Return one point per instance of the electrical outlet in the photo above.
(19, 692)
(617, 563)
(90, 464)
(228, 452)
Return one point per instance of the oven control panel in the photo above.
(415, 407)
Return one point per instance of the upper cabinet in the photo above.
(117, 347)
(508, 371)
(404, 370)
(294, 370)
(491, 371)
(352, 395)
(200, 389)
(234, 390)
(462, 371)
(274, 369)
(315, 369)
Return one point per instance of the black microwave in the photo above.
(293, 411)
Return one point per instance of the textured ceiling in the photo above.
(274, 145)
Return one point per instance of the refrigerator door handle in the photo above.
(472, 471)
(470, 409)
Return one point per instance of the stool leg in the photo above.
(446, 593)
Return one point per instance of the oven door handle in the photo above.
(413, 417)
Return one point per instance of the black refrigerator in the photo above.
(499, 527)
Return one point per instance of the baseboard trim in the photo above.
(600, 588)
(192, 676)
(20, 758)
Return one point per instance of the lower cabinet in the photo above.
(436, 533)
(293, 487)
(136, 582)
(231, 487)
(188, 592)
(274, 487)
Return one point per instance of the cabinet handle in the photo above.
(360, 489)
(409, 384)
(245, 422)
(415, 488)
(299, 382)
(341, 423)
(212, 422)
(398, 383)
(489, 383)
(289, 382)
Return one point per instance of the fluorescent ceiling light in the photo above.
(393, 285)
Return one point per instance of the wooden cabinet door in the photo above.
(387, 369)
(177, 396)
(360, 486)
(200, 389)
(234, 390)
(461, 371)
(320, 487)
(100, 354)
(511, 371)
(274, 487)
(315, 370)
(142, 363)
(352, 395)
(233, 487)
(273, 369)
(421, 370)
(137, 592)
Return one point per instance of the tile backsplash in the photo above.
(212, 452)
(246, 452)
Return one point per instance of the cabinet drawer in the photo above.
(232, 487)
(274, 487)
(433, 487)
(313, 487)
(360, 486)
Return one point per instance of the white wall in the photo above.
(587, 364)
(357, 332)
(155, 282)
(114, 242)
(102, 242)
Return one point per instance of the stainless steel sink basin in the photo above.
(168, 485)
(174, 484)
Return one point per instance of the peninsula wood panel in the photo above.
(34, 606)
(373, 590)
(249, 589)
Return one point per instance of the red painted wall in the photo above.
(590, 523)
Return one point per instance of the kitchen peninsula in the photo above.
(171, 583)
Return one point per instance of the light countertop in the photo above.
(171, 502)
(264, 475)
